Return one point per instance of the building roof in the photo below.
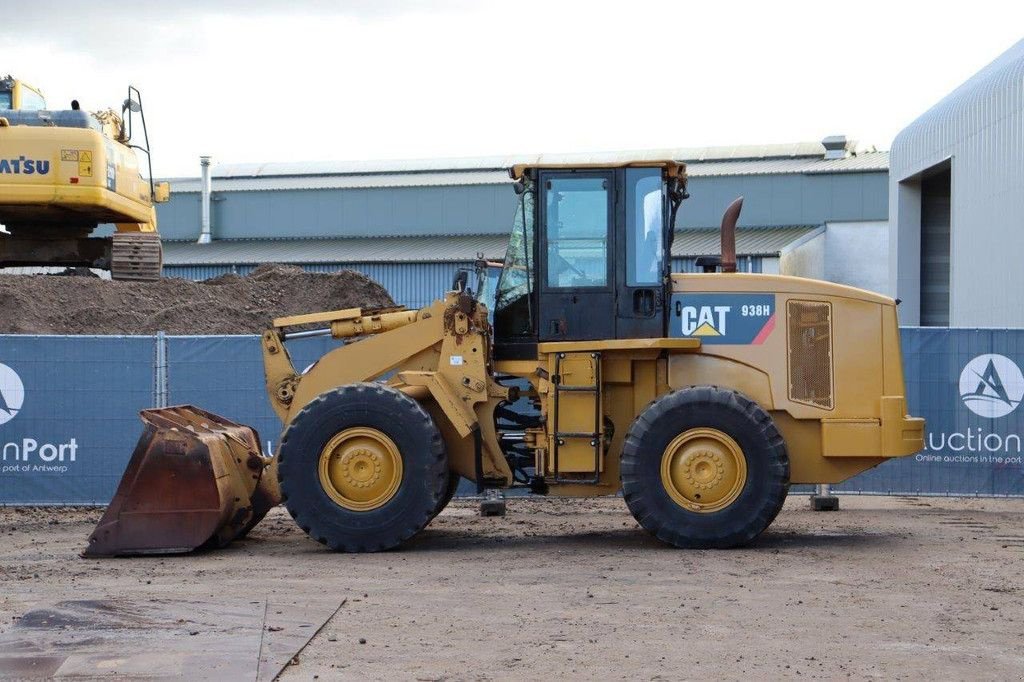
(688, 154)
(864, 162)
(995, 93)
(750, 242)
(440, 249)
(355, 181)
(800, 157)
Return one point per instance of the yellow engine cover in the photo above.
(53, 176)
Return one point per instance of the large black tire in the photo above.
(709, 407)
(424, 468)
(449, 493)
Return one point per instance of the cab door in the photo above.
(576, 274)
(643, 242)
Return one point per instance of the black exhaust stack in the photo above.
(729, 219)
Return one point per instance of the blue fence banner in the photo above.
(968, 386)
(69, 404)
(69, 415)
(224, 375)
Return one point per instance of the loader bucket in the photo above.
(194, 480)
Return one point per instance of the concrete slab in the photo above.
(160, 639)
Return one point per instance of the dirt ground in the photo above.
(906, 588)
(229, 304)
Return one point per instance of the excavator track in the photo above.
(136, 256)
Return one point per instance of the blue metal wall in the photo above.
(67, 436)
(411, 284)
(360, 212)
(415, 285)
(769, 200)
(791, 199)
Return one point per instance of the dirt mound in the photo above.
(229, 304)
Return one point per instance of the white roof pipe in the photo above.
(205, 234)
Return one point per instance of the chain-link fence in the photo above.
(68, 408)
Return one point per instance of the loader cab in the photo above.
(17, 95)
(588, 256)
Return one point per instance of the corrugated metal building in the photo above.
(411, 224)
(957, 204)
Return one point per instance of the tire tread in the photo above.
(307, 423)
(670, 522)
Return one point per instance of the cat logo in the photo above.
(705, 320)
(723, 319)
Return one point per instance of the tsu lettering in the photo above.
(24, 166)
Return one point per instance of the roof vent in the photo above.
(205, 234)
(836, 147)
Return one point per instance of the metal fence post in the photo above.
(160, 388)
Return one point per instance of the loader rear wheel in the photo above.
(362, 468)
(704, 467)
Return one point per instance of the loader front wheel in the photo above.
(704, 467)
(449, 493)
(362, 468)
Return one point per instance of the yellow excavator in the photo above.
(65, 172)
(701, 397)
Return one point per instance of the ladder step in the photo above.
(584, 478)
(583, 368)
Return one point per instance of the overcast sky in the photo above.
(374, 79)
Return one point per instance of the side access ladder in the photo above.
(577, 414)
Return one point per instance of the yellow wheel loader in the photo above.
(65, 172)
(701, 397)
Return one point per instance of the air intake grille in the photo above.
(810, 353)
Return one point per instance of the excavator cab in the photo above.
(588, 257)
(65, 172)
(16, 95)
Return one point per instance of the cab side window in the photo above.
(645, 238)
(577, 232)
(31, 100)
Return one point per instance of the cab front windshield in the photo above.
(5, 99)
(31, 100)
(512, 311)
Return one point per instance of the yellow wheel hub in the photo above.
(360, 468)
(703, 470)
